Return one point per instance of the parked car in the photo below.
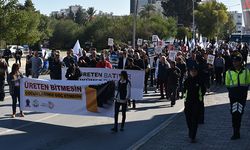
(13, 48)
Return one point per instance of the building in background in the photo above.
(246, 14)
(238, 20)
(66, 12)
(141, 3)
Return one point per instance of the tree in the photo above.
(81, 17)
(147, 10)
(6, 9)
(28, 5)
(24, 27)
(210, 18)
(182, 32)
(91, 12)
(228, 28)
(45, 28)
(182, 10)
(65, 34)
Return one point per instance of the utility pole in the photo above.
(193, 21)
(134, 22)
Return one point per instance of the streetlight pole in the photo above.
(193, 21)
(134, 22)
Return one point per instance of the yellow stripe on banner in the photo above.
(48, 94)
(91, 99)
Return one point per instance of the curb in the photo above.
(147, 137)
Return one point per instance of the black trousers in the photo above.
(117, 109)
(18, 60)
(237, 110)
(163, 86)
(146, 82)
(172, 94)
(15, 97)
(201, 112)
(2, 93)
(218, 74)
(7, 60)
(192, 117)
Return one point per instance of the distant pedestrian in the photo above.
(194, 90)
(122, 97)
(36, 65)
(18, 56)
(14, 83)
(28, 64)
(7, 55)
(237, 82)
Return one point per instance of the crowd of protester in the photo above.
(171, 77)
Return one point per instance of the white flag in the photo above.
(77, 48)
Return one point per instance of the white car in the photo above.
(13, 48)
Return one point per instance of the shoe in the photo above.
(13, 116)
(235, 137)
(114, 129)
(193, 141)
(21, 115)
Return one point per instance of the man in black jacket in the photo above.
(195, 91)
(7, 55)
(174, 75)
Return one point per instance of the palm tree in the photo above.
(147, 10)
(91, 12)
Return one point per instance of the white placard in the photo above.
(155, 38)
(172, 55)
(139, 42)
(210, 59)
(110, 42)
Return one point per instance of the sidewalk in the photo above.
(214, 134)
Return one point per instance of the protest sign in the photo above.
(172, 55)
(139, 42)
(110, 42)
(65, 97)
(151, 52)
(77, 48)
(102, 74)
(210, 59)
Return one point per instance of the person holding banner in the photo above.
(14, 83)
(132, 66)
(73, 72)
(121, 99)
(102, 63)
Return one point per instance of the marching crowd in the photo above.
(188, 75)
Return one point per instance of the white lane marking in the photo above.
(28, 124)
(147, 137)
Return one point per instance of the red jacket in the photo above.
(104, 64)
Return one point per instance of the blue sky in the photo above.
(118, 7)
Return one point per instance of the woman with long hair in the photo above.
(14, 83)
(122, 97)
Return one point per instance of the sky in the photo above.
(118, 7)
